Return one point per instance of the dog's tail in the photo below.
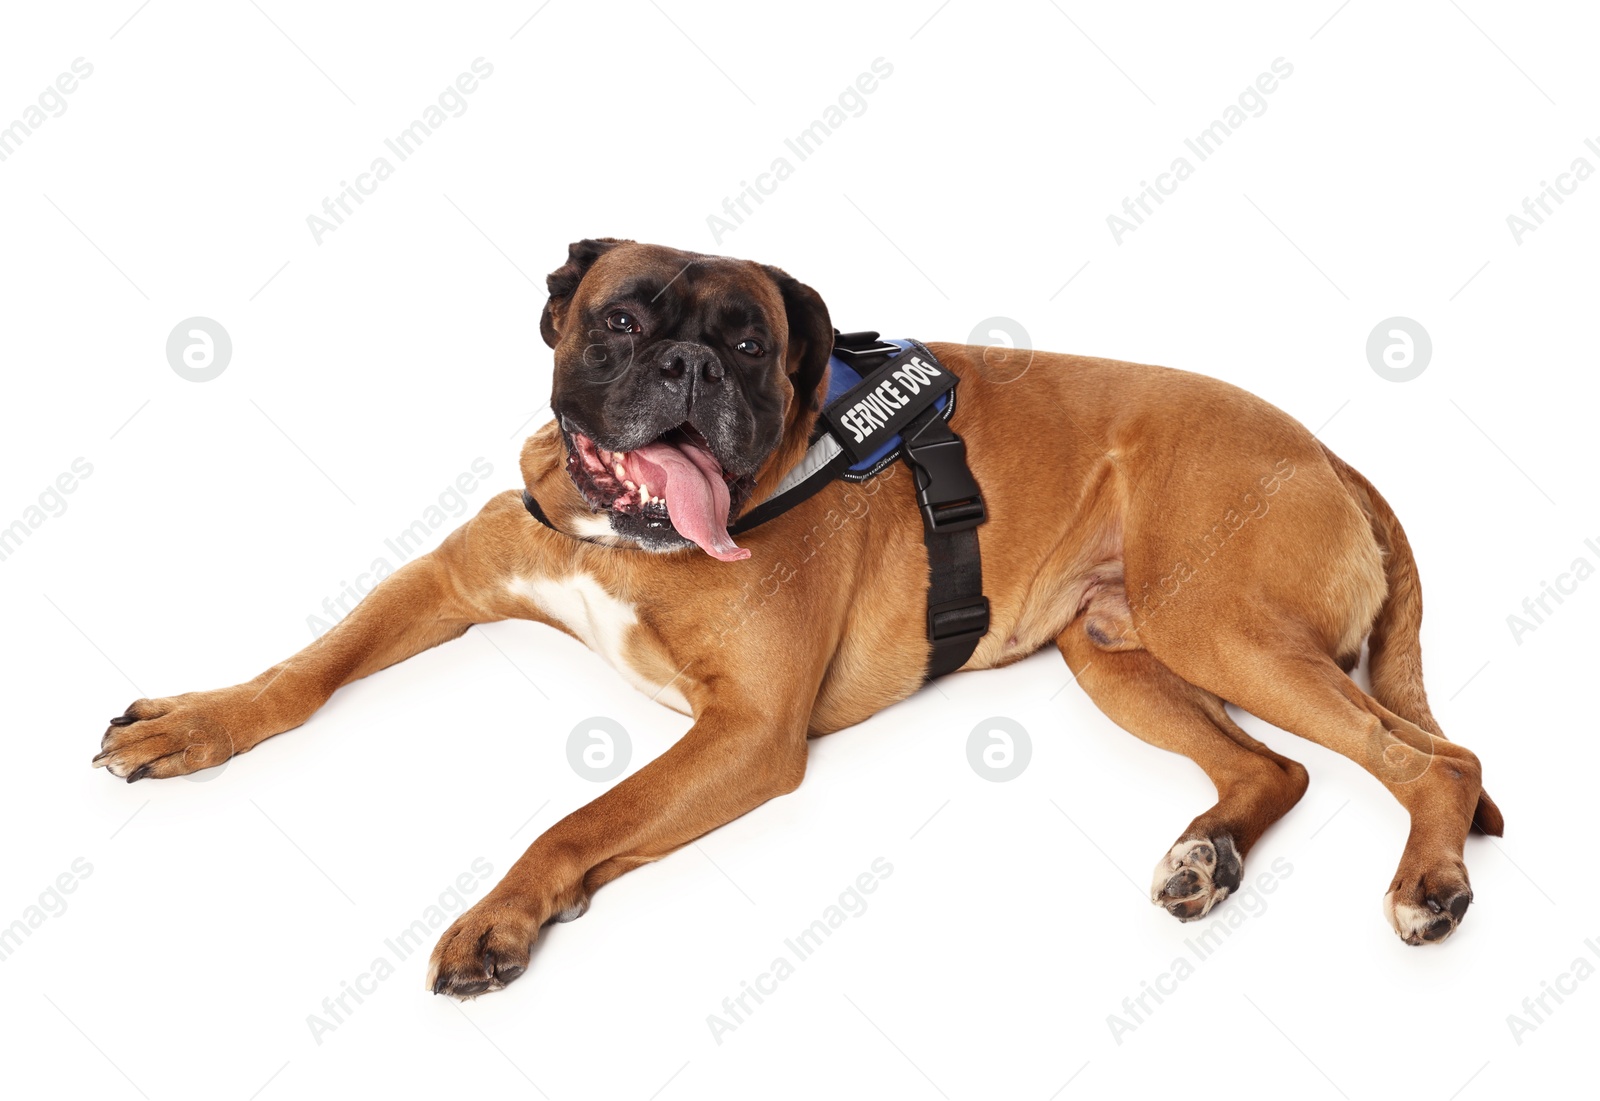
(1394, 646)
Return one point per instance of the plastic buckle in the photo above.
(862, 345)
(946, 491)
(971, 624)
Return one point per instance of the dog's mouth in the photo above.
(675, 482)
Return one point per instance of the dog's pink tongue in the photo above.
(697, 497)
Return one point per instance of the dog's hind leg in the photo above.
(1394, 646)
(1265, 625)
(1255, 786)
(1292, 684)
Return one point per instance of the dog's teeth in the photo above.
(629, 484)
(621, 471)
(644, 491)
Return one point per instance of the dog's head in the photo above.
(678, 377)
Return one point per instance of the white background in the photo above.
(376, 366)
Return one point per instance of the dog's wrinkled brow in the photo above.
(743, 316)
(641, 289)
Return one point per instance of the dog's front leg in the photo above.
(419, 606)
(738, 754)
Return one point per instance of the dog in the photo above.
(1180, 541)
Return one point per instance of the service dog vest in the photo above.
(892, 400)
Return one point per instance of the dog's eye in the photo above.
(749, 348)
(620, 321)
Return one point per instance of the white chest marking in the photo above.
(603, 623)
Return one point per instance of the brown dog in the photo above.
(1182, 542)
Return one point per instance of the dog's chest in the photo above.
(602, 622)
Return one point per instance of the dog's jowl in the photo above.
(1181, 542)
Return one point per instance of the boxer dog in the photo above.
(1183, 543)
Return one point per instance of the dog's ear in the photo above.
(581, 256)
(810, 335)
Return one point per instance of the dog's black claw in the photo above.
(139, 773)
(124, 720)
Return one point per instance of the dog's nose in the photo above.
(693, 360)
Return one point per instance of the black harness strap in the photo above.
(952, 508)
(780, 503)
(950, 502)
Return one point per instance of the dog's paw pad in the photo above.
(1196, 875)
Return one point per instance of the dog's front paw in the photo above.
(1196, 875)
(486, 948)
(167, 737)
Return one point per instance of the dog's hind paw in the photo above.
(1426, 910)
(1196, 875)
